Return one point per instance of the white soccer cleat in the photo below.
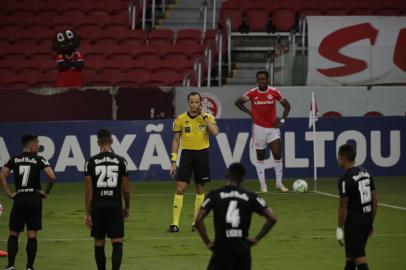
(281, 188)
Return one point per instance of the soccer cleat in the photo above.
(193, 228)
(10, 268)
(3, 253)
(281, 188)
(173, 229)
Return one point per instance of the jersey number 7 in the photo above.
(108, 176)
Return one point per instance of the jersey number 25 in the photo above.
(108, 176)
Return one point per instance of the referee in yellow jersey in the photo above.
(191, 132)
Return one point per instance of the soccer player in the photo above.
(106, 179)
(265, 129)
(357, 209)
(191, 129)
(233, 207)
(27, 198)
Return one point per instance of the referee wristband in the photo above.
(174, 157)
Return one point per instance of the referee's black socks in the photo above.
(350, 265)
(363, 266)
(100, 257)
(12, 249)
(117, 255)
(31, 250)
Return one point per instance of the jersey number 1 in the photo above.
(364, 190)
(108, 176)
(233, 214)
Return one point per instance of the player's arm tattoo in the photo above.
(201, 228)
(125, 185)
(240, 105)
(342, 211)
(286, 108)
(88, 194)
(3, 175)
(269, 223)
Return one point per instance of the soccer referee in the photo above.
(191, 132)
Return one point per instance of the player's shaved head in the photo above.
(347, 151)
(194, 93)
(263, 72)
(236, 172)
(26, 139)
(104, 137)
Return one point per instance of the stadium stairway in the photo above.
(187, 14)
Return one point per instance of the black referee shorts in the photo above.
(196, 162)
(26, 211)
(356, 235)
(108, 219)
(230, 261)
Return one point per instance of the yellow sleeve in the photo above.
(177, 125)
(212, 118)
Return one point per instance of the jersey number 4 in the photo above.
(108, 176)
(233, 214)
(364, 190)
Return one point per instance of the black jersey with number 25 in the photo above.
(106, 170)
(357, 184)
(233, 208)
(27, 171)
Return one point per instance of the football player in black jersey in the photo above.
(233, 207)
(357, 209)
(107, 183)
(27, 198)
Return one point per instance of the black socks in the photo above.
(100, 257)
(31, 250)
(12, 249)
(350, 265)
(117, 255)
(363, 266)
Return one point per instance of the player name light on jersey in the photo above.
(233, 233)
(234, 194)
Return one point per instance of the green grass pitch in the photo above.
(303, 238)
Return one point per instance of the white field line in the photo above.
(380, 204)
(196, 238)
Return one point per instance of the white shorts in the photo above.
(262, 136)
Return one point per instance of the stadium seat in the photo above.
(161, 37)
(257, 19)
(95, 60)
(373, 114)
(137, 75)
(142, 52)
(135, 38)
(361, 7)
(123, 61)
(235, 15)
(335, 7)
(332, 114)
(177, 52)
(283, 19)
(189, 37)
(154, 80)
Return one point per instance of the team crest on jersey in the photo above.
(212, 104)
(270, 97)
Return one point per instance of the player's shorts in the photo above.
(221, 260)
(196, 162)
(108, 219)
(356, 235)
(26, 211)
(262, 136)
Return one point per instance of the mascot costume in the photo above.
(69, 60)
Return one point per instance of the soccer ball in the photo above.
(300, 186)
(1, 209)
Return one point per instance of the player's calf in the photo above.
(31, 250)
(117, 255)
(350, 265)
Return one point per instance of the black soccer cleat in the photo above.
(193, 228)
(173, 229)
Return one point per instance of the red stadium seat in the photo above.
(161, 37)
(361, 7)
(335, 7)
(135, 38)
(95, 61)
(258, 19)
(135, 75)
(235, 15)
(373, 114)
(144, 52)
(189, 37)
(154, 80)
(332, 114)
(123, 61)
(283, 19)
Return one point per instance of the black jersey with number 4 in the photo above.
(357, 184)
(233, 208)
(106, 170)
(27, 171)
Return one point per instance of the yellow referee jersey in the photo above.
(195, 135)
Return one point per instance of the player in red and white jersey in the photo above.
(265, 130)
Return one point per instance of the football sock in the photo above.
(278, 171)
(117, 255)
(12, 249)
(31, 250)
(350, 265)
(362, 266)
(198, 202)
(177, 208)
(100, 257)
(261, 173)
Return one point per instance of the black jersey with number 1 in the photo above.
(106, 170)
(27, 170)
(357, 184)
(233, 208)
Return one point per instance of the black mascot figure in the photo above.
(69, 60)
